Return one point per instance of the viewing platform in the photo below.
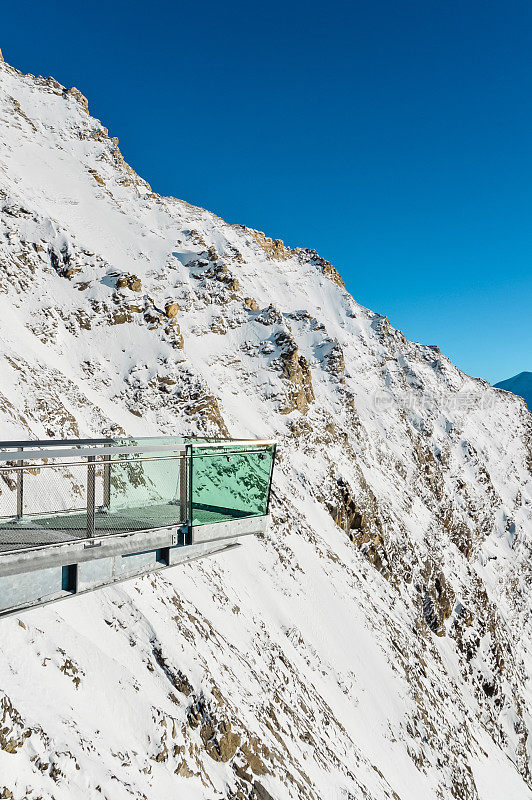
(79, 514)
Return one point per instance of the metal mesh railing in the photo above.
(49, 501)
(37, 489)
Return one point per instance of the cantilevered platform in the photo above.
(81, 514)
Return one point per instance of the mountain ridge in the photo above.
(376, 642)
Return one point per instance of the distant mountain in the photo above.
(521, 385)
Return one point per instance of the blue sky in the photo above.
(394, 138)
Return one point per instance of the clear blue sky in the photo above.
(393, 137)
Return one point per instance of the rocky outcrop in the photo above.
(82, 100)
(295, 369)
(334, 359)
(171, 309)
(360, 520)
(325, 267)
(274, 248)
(131, 282)
(438, 598)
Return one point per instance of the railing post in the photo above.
(20, 488)
(91, 495)
(107, 483)
(189, 492)
(183, 488)
(274, 454)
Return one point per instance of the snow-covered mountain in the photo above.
(376, 643)
(521, 385)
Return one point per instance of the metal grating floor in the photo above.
(53, 529)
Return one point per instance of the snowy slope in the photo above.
(376, 643)
(521, 385)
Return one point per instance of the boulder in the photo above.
(229, 744)
(171, 309)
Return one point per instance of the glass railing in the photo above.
(230, 481)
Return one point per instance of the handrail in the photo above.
(32, 455)
(27, 467)
(15, 445)
(240, 442)
(51, 442)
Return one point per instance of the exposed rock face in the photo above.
(376, 643)
(294, 367)
(326, 267)
(82, 100)
(274, 248)
(331, 272)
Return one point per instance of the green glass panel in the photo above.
(230, 482)
(147, 493)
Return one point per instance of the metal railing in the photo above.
(72, 489)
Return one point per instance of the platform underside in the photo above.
(55, 563)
